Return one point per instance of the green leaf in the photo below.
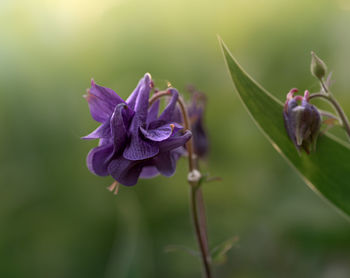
(219, 253)
(176, 248)
(326, 171)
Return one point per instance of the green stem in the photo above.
(197, 204)
(337, 107)
(324, 86)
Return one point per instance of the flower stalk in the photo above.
(200, 232)
(319, 69)
(328, 97)
(196, 197)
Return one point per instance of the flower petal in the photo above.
(153, 112)
(103, 131)
(166, 162)
(168, 113)
(174, 142)
(158, 134)
(120, 117)
(141, 105)
(102, 102)
(97, 159)
(177, 116)
(125, 171)
(131, 100)
(140, 149)
(149, 172)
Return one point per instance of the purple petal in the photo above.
(158, 134)
(138, 100)
(128, 114)
(153, 112)
(168, 112)
(97, 159)
(149, 172)
(166, 162)
(105, 141)
(289, 125)
(141, 105)
(125, 171)
(103, 131)
(177, 115)
(175, 142)
(140, 149)
(121, 115)
(102, 102)
(131, 101)
(156, 124)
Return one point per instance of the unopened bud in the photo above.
(302, 121)
(318, 67)
(196, 110)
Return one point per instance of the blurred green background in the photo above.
(58, 220)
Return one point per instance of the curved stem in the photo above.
(197, 204)
(157, 96)
(338, 109)
(187, 125)
(329, 115)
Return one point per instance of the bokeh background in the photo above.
(58, 220)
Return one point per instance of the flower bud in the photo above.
(318, 67)
(196, 109)
(302, 121)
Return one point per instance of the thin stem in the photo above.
(157, 96)
(187, 125)
(338, 109)
(197, 204)
(202, 220)
(202, 247)
(324, 86)
(329, 115)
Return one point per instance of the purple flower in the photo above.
(134, 142)
(196, 112)
(302, 121)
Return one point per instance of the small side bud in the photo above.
(318, 67)
(196, 110)
(194, 177)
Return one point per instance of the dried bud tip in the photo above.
(291, 93)
(87, 95)
(148, 76)
(318, 67)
